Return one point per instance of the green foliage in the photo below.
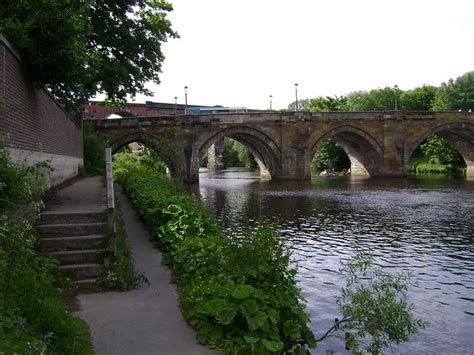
(94, 150)
(237, 155)
(436, 156)
(418, 99)
(303, 105)
(330, 157)
(456, 94)
(21, 185)
(373, 100)
(440, 151)
(375, 306)
(328, 104)
(108, 46)
(237, 292)
(33, 318)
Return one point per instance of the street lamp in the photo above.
(296, 95)
(396, 97)
(271, 97)
(175, 105)
(186, 100)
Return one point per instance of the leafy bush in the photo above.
(238, 293)
(330, 156)
(94, 151)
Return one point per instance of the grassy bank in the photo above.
(238, 293)
(33, 318)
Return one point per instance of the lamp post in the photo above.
(175, 105)
(271, 97)
(296, 95)
(186, 100)
(396, 97)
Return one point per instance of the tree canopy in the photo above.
(451, 96)
(83, 47)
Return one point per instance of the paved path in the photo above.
(143, 321)
(81, 194)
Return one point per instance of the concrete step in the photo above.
(83, 242)
(69, 230)
(92, 282)
(74, 217)
(89, 256)
(82, 271)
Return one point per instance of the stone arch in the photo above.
(265, 151)
(143, 138)
(364, 152)
(459, 134)
(117, 114)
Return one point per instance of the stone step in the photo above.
(83, 242)
(74, 217)
(92, 282)
(89, 256)
(82, 271)
(69, 230)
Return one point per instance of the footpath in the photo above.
(143, 321)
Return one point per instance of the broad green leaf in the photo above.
(272, 345)
(251, 340)
(291, 329)
(249, 307)
(242, 291)
(226, 314)
(273, 315)
(257, 320)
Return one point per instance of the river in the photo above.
(420, 225)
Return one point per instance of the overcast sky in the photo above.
(238, 52)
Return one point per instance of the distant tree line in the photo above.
(456, 94)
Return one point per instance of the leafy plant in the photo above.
(94, 151)
(375, 307)
(331, 157)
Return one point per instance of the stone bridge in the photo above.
(284, 143)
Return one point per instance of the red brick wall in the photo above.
(95, 110)
(31, 118)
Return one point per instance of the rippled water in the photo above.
(425, 226)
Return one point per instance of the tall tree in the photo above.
(418, 99)
(83, 47)
(456, 94)
(374, 100)
(328, 104)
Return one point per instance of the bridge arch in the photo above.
(175, 168)
(459, 134)
(364, 152)
(265, 151)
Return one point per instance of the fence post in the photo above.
(110, 201)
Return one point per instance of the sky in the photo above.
(239, 52)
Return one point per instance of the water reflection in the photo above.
(420, 225)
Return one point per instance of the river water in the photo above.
(420, 225)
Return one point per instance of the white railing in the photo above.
(110, 200)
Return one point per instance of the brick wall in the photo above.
(34, 123)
